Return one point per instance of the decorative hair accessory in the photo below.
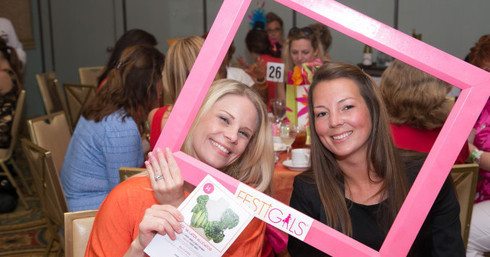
(118, 65)
(257, 17)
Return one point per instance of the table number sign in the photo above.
(275, 72)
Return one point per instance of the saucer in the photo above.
(289, 164)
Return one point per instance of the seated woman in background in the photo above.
(358, 182)
(179, 61)
(132, 37)
(10, 87)
(259, 48)
(275, 31)
(418, 107)
(108, 134)
(226, 135)
(479, 237)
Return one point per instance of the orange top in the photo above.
(117, 221)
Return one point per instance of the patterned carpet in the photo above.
(24, 232)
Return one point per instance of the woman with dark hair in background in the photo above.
(108, 134)
(130, 38)
(358, 181)
(275, 30)
(260, 48)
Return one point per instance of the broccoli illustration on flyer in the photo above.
(212, 221)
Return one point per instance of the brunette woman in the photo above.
(358, 181)
(108, 135)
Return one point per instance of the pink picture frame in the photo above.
(473, 82)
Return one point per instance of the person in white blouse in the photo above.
(7, 32)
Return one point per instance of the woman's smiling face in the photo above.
(342, 119)
(224, 132)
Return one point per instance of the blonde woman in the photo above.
(178, 64)
(226, 135)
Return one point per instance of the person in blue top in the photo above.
(108, 135)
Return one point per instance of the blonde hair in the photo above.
(254, 167)
(413, 97)
(294, 34)
(178, 64)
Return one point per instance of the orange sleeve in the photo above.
(250, 241)
(116, 223)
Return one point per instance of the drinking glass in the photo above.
(288, 134)
(278, 109)
(300, 140)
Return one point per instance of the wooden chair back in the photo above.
(89, 75)
(465, 177)
(77, 95)
(47, 185)
(127, 172)
(78, 226)
(51, 92)
(51, 132)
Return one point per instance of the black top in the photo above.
(440, 235)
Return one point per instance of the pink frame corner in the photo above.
(473, 97)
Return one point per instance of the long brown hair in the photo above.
(381, 156)
(134, 86)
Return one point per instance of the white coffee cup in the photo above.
(300, 157)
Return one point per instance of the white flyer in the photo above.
(212, 221)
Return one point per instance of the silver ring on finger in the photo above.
(159, 177)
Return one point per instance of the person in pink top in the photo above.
(479, 237)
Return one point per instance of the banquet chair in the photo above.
(89, 75)
(51, 132)
(78, 226)
(51, 92)
(48, 189)
(464, 178)
(6, 154)
(77, 95)
(127, 172)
